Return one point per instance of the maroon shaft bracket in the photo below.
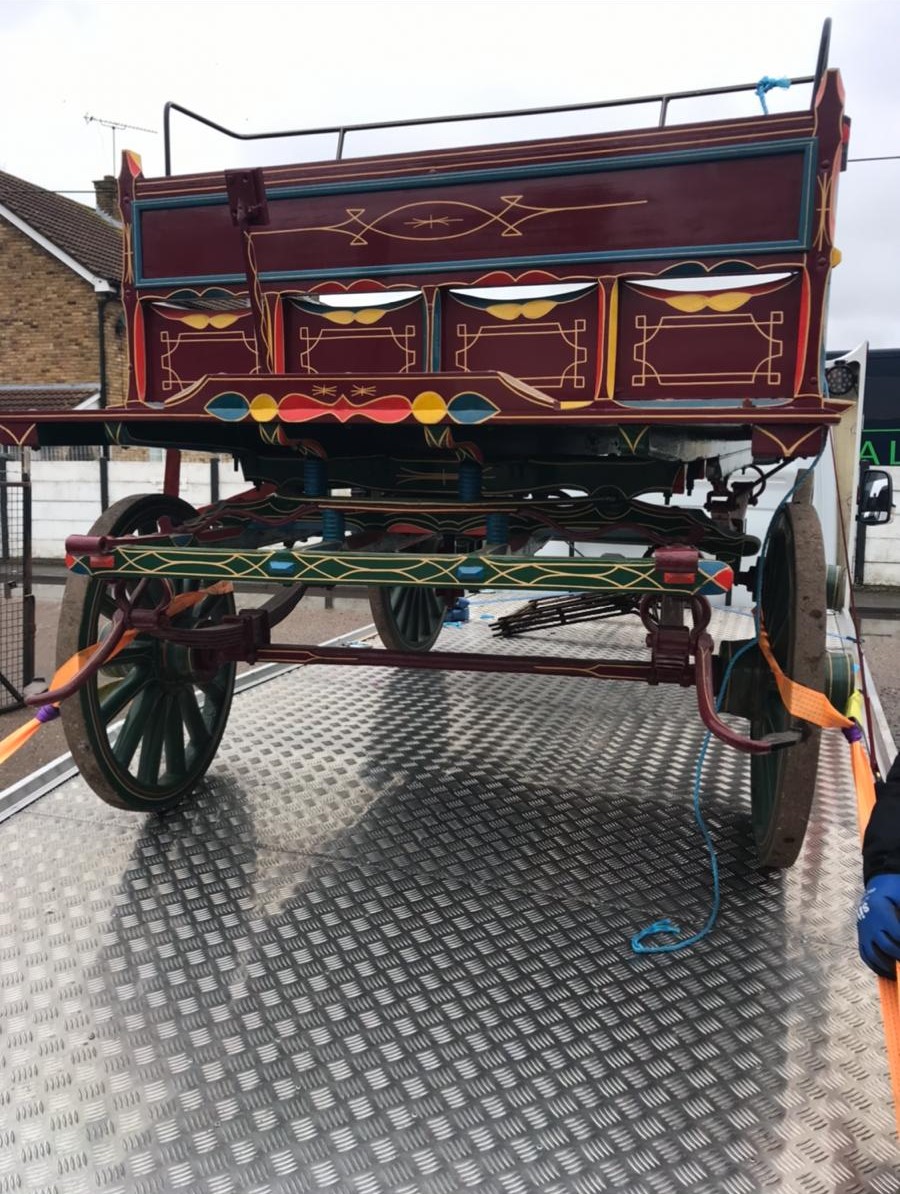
(105, 649)
(249, 208)
(673, 646)
(706, 705)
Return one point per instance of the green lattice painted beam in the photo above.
(436, 571)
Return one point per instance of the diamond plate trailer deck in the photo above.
(375, 953)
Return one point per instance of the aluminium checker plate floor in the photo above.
(385, 949)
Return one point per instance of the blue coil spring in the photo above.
(333, 525)
(469, 481)
(315, 477)
(497, 528)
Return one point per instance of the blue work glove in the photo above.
(878, 924)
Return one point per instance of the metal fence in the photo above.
(16, 598)
(71, 452)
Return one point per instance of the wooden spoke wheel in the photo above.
(146, 727)
(794, 614)
(407, 617)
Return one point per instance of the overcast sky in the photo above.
(261, 65)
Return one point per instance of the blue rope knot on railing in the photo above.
(765, 85)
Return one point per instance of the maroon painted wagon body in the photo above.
(428, 365)
(692, 266)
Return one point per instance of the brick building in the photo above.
(62, 335)
(63, 345)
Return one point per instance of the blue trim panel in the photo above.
(475, 263)
(136, 250)
(806, 145)
(509, 174)
(807, 198)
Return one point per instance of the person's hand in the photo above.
(878, 924)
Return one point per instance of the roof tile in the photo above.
(93, 240)
(21, 399)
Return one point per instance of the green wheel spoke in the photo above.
(176, 763)
(134, 725)
(155, 593)
(108, 606)
(408, 617)
(211, 607)
(165, 736)
(214, 690)
(194, 721)
(424, 612)
(413, 617)
(136, 654)
(115, 700)
(152, 742)
(400, 608)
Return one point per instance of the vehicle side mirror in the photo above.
(876, 497)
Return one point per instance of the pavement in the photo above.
(881, 643)
(315, 620)
(318, 619)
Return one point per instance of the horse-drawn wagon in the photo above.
(431, 365)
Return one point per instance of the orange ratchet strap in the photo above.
(73, 665)
(815, 707)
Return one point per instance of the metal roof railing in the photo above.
(341, 130)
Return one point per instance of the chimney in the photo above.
(107, 196)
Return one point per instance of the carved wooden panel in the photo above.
(548, 342)
(374, 337)
(740, 342)
(184, 345)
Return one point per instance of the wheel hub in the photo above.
(174, 663)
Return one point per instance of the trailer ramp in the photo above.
(386, 948)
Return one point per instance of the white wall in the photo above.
(66, 501)
(66, 494)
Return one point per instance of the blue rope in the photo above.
(667, 926)
(765, 85)
(841, 638)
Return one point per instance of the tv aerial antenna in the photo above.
(113, 126)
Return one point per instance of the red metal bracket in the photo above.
(247, 197)
(677, 565)
(672, 647)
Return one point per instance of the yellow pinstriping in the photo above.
(518, 573)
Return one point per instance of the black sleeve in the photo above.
(881, 844)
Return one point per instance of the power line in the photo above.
(888, 157)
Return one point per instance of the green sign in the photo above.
(881, 447)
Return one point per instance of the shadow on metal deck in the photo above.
(386, 949)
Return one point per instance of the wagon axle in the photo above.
(679, 654)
